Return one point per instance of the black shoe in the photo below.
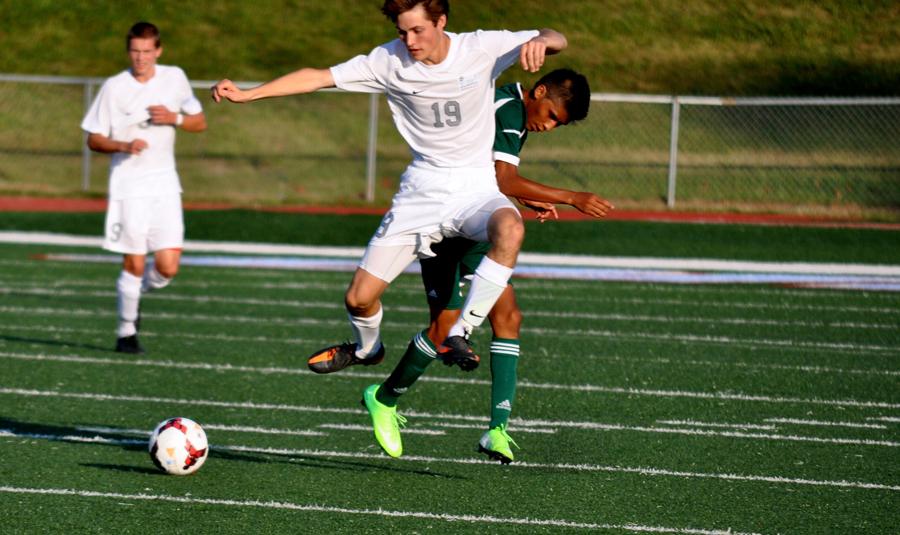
(456, 350)
(336, 358)
(129, 344)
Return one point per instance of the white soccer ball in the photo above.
(178, 446)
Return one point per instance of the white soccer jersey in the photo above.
(120, 113)
(445, 112)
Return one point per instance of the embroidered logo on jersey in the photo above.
(504, 405)
(467, 82)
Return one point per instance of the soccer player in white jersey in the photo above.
(440, 88)
(134, 118)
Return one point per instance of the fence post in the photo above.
(673, 152)
(85, 151)
(370, 153)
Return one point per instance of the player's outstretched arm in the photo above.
(302, 81)
(511, 183)
(548, 42)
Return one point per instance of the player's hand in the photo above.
(160, 114)
(227, 90)
(591, 204)
(544, 210)
(135, 146)
(532, 54)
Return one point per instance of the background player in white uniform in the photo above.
(439, 87)
(134, 118)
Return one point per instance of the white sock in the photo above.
(128, 291)
(368, 333)
(153, 280)
(488, 283)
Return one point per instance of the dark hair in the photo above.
(143, 30)
(569, 88)
(392, 9)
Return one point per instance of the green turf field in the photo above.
(641, 407)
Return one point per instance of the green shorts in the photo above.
(456, 258)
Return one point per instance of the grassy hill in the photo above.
(748, 47)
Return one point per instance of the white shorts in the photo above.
(432, 203)
(143, 225)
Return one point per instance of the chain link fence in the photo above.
(824, 156)
(817, 156)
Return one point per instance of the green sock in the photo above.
(504, 359)
(420, 353)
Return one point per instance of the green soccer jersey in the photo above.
(458, 257)
(509, 120)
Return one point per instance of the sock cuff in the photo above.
(501, 346)
(371, 321)
(154, 280)
(493, 272)
(129, 284)
(127, 278)
(423, 344)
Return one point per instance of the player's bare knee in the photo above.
(507, 231)
(168, 272)
(359, 304)
(514, 320)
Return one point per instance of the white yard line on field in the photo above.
(304, 304)
(533, 294)
(693, 423)
(891, 419)
(450, 425)
(315, 508)
(641, 471)
(367, 429)
(105, 334)
(213, 427)
(671, 363)
(412, 327)
(582, 425)
(873, 277)
(796, 421)
(311, 342)
(542, 259)
(218, 367)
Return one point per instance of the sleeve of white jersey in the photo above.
(98, 119)
(190, 104)
(363, 74)
(504, 45)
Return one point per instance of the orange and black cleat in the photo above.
(336, 358)
(456, 350)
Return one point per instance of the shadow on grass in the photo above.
(54, 343)
(326, 463)
(126, 469)
(128, 442)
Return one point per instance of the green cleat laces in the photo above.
(495, 443)
(385, 421)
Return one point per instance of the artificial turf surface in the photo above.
(640, 407)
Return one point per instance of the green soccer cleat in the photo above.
(495, 443)
(385, 421)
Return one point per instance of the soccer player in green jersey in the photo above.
(557, 99)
